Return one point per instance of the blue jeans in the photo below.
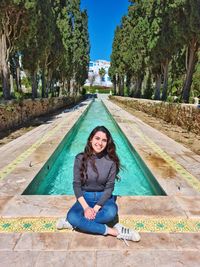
(105, 215)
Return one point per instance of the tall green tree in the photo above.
(15, 70)
(81, 46)
(15, 24)
(36, 52)
(85, 50)
(164, 41)
(149, 40)
(63, 45)
(116, 71)
(191, 35)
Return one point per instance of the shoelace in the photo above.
(126, 231)
(125, 241)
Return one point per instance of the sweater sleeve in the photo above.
(109, 187)
(77, 178)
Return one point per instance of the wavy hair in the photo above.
(109, 150)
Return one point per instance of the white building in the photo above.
(93, 76)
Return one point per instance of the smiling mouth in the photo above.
(98, 147)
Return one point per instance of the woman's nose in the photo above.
(100, 142)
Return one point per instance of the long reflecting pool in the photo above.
(55, 178)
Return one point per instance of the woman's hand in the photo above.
(96, 208)
(89, 213)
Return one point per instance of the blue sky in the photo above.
(104, 16)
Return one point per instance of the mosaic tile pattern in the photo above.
(163, 225)
(141, 224)
(188, 177)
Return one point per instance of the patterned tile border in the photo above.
(188, 177)
(163, 224)
(141, 224)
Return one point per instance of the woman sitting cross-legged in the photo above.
(95, 171)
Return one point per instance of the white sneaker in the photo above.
(63, 224)
(126, 234)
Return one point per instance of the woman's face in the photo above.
(99, 142)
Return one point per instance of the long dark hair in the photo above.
(109, 150)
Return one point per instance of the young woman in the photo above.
(95, 171)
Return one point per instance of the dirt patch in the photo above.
(180, 135)
(9, 135)
(166, 170)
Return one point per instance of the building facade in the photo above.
(93, 76)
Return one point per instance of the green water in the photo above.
(57, 175)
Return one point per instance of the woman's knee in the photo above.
(73, 218)
(111, 211)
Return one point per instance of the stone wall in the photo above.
(14, 113)
(186, 116)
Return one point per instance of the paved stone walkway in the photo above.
(169, 225)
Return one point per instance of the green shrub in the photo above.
(19, 96)
(26, 82)
(98, 89)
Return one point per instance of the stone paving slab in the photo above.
(78, 241)
(9, 241)
(44, 242)
(105, 258)
(148, 258)
(18, 259)
(150, 206)
(4, 202)
(77, 248)
(57, 206)
(37, 206)
(190, 205)
(47, 258)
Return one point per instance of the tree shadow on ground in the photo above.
(10, 134)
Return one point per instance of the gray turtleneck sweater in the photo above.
(104, 182)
